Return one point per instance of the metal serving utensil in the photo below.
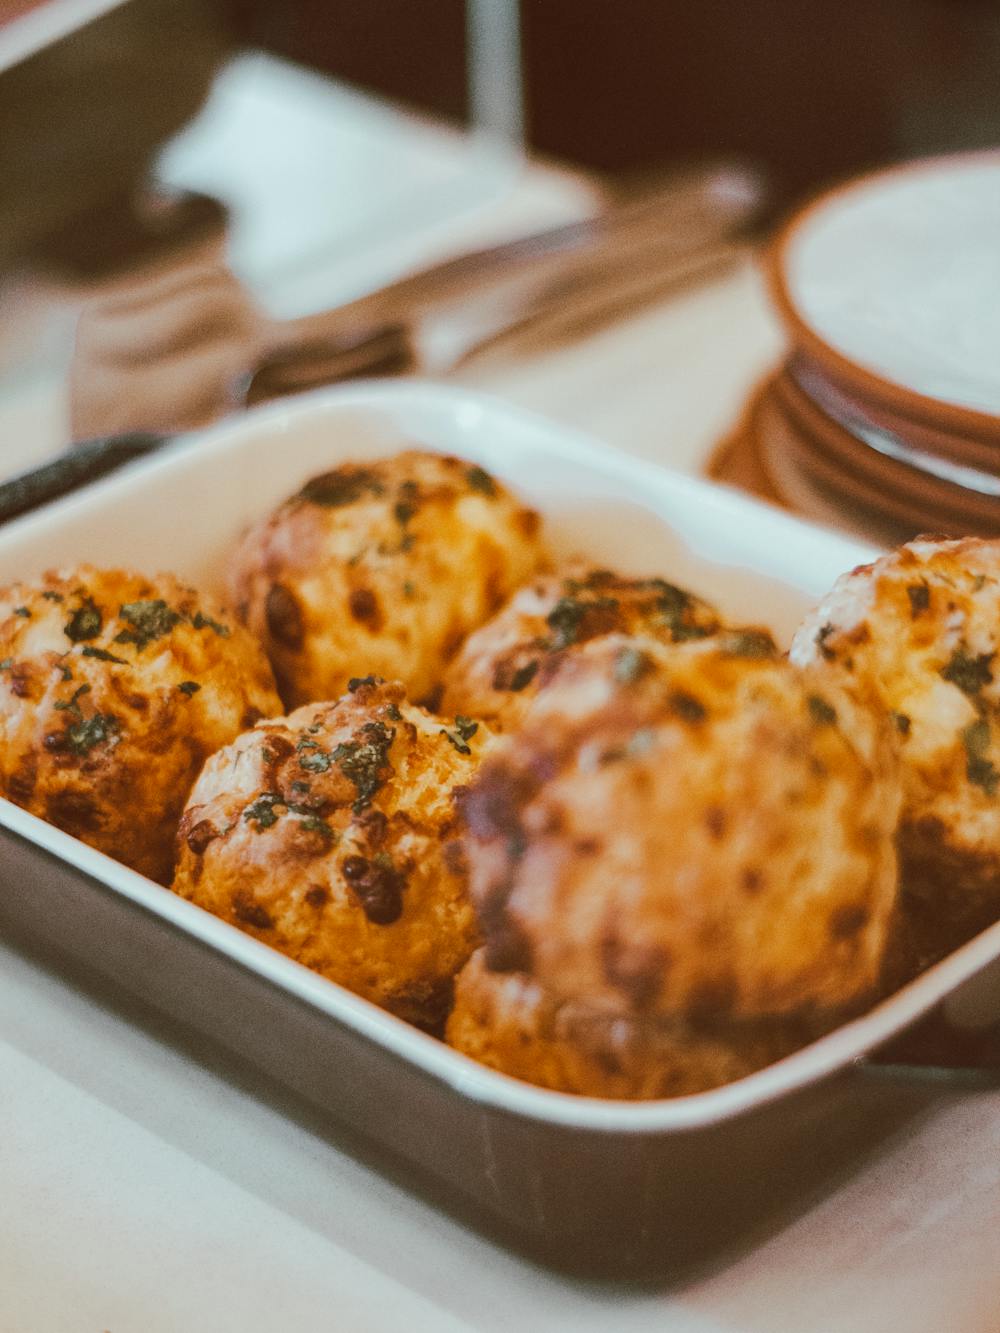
(520, 295)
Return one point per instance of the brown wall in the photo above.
(812, 87)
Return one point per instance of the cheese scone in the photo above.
(697, 830)
(508, 1021)
(327, 835)
(918, 631)
(381, 567)
(114, 690)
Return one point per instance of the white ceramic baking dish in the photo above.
(609, 1186)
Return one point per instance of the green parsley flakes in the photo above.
(969, 673)
(920, 598)
(102, 655)
(200, 621)
(465, 729)
(147, 620)
(261, 813)
(363, 761)
(343, 486)
(978, 769)
(480, 480)
(85, 622)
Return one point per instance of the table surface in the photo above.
(145, 1188)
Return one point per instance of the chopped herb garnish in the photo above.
(206, 622)
(459, 745)
(671, 600)
(102, 655)
(969, 673)
(189, 687)
(523, 676)
(84, 623)
(356, 682)
(465, 726)
(23, 612)
(480, 480)
(148, 620)
(261, 812)
(342, 487)
(403, 511)
(751, 643)
(821, 712)
(902, 723)
(979, 769)
(91, 731)
(66, 673)
(71, 704)
(822, 634)
(673, 606)
(51, 596)
(465, 729)
(920, 598)
(300, 786)
(6, 664)
(630, 664)
(391, 711)
(362, 761)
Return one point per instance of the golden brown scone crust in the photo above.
(114, 689)
(326, 835)
(381, 567)
(919, 630)
(689, 830)
(502, 666)
(507, 1021)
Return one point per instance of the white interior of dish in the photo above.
(900, 273)
(182, 510)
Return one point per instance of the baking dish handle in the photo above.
(957, 1044)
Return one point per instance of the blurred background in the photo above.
(812, 88)
(303, 153)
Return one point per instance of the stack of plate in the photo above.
(886, 414)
